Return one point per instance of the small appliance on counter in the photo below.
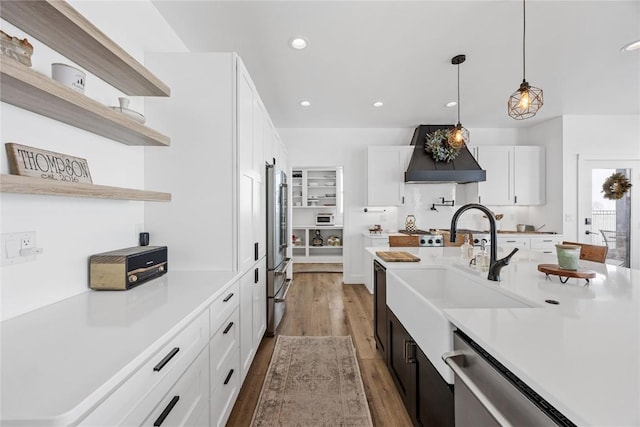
(123, 269)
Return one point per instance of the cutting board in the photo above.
(404, 241)
(397, 256)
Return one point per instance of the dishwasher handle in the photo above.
(455, 360)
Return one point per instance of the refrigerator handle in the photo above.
(284, 211)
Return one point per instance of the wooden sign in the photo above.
(34, 162)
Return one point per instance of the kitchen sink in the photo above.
(417, 298)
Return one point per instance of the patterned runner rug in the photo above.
(313, 381)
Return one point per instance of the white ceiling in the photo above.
(400, 52)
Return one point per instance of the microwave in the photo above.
(324, 219)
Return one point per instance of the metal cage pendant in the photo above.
(525, 102)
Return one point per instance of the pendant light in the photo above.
(458, 136)
(527, 100)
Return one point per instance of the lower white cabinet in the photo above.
(533, 244)
(140, 396)
(546, 244)
(225, 368)
(371, 241)
(187, 400)
(253, 317)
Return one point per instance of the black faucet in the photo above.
(495, 265)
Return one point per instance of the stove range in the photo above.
(429, 238)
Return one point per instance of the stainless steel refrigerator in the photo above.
(277, 242)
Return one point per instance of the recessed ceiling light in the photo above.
(631, 46)
(298, 43)
(378, 104)
(305, 103)
(451, 104)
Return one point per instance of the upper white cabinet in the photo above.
(217, 218)
(515, 175)
(251, 119)
(385, 174)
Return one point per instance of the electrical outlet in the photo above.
(17, 248)
(27, 242)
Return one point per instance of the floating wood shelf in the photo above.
(33, 91)
(28, 185)
(63, 29)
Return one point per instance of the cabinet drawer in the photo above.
(223, 306)
(223, 395)
(513, 242)
(188, 398)
(224, 342)
(546, 243)
(137, 397)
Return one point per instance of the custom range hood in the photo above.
(423, 169)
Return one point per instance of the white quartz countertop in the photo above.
(60, 361)
(582, 355)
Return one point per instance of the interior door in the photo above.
(606, 221)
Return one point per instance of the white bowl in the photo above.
(68, 76)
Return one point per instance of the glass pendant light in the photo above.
(458, 136)
(527, 100)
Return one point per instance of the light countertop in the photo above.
(111, 334)
(582, 356)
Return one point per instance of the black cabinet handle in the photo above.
(226, 330)
(226, 380)
(409, 351)
(166, 359)
(166, 411)
(255, 276)
(228, 297)
(515, 199)
(255, 251)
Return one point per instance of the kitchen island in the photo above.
(581, 355)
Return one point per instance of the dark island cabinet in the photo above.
(380, 307)
(427, 397)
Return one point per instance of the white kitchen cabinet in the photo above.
(385, 174)
(371, 240)
(498, 188)
(259, 304)
(304, 251)
(318, 188)
(139, 398)
(224, 349)
(216, 220)
(253, 303)
(545, 244)
(187, 400)
(515, 175)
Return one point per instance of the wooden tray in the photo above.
(555, 270)
(397, 256)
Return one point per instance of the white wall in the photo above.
(549, 135)
(593, 136)
(71, 229)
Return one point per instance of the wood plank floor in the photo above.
(319, 304)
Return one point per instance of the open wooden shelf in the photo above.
(63, 29)
(33, 91)
(28, 185)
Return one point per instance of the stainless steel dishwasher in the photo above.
(488, 394)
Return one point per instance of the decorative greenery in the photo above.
(437, 143)
(615, 186)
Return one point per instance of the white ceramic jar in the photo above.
(68, 76)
